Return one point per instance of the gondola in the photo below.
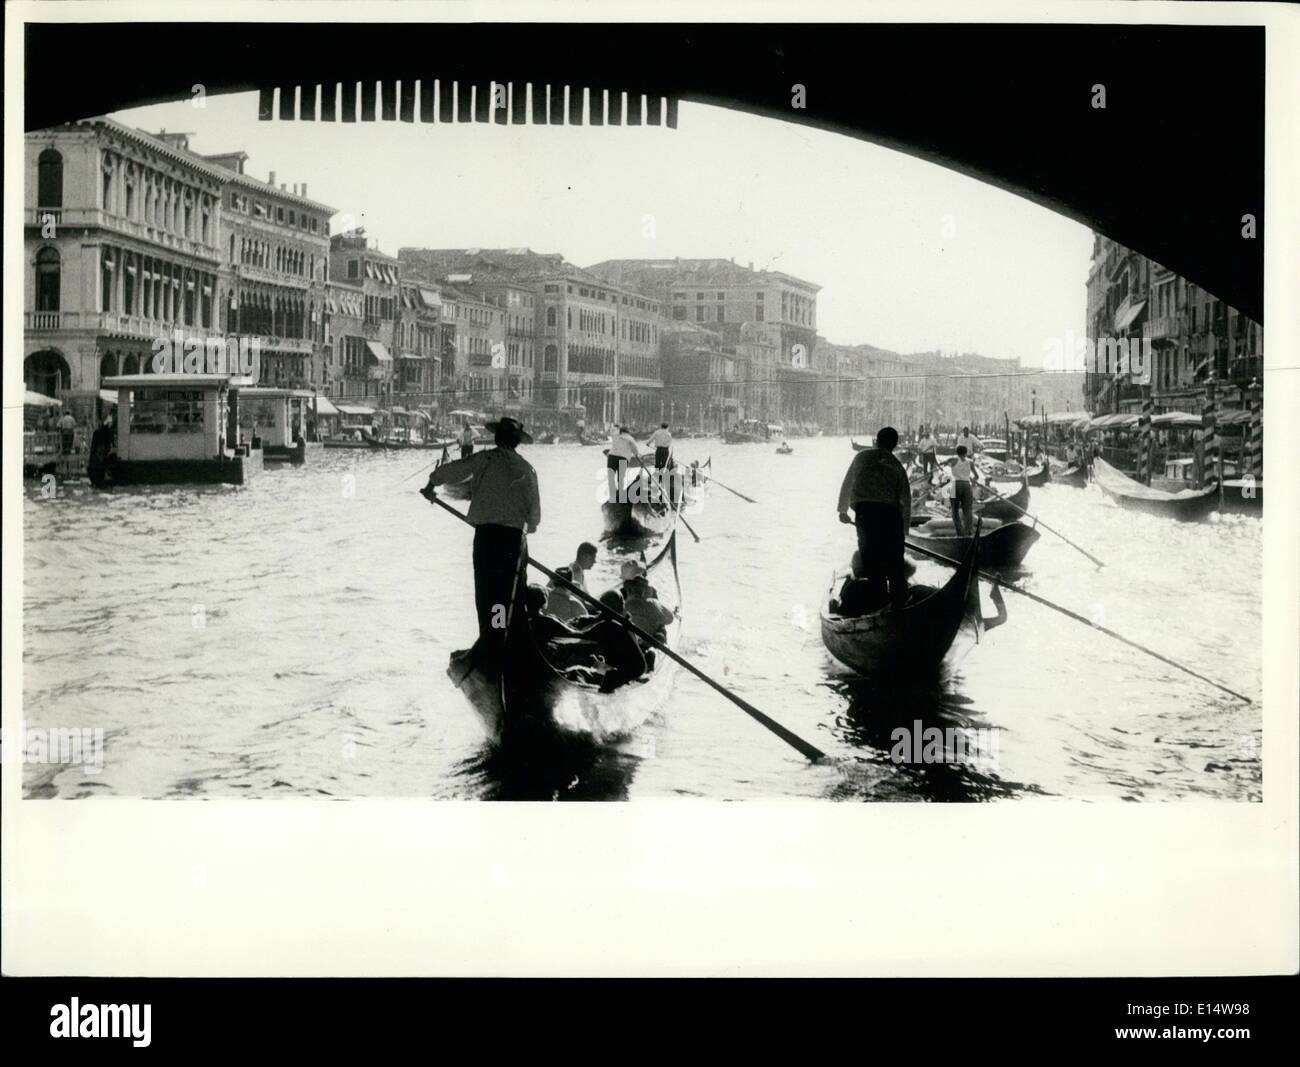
(1037, 476)
(527, 696)
(636, 517)
(1008, 508)
(1187, 505)
(857, 447)
(1000, 546)
(785, 450)
(918, 637)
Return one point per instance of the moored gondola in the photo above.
(1188, 505)
(526, 694)
(917, 637)
(1036, 476)
(1006, 507)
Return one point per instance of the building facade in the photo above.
(123, 244)
(355, 262)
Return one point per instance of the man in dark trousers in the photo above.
(504, 504)
(877, 490)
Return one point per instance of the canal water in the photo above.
(290, 638)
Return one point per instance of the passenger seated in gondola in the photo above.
(560, 603)
(857, 594)
(643, 608)
(619, 658)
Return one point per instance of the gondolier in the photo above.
(504, 506)
(970, 441)
(662, 442)
(466, 441)
(929, 449)
(877, 489)
(622, 449)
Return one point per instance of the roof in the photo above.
(687, 272)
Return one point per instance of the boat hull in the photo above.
(524, 702)
(1037, 476)
(636, 520)
(889, 642)
(1133, 496)
(1004, 546)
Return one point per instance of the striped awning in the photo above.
(377, 349)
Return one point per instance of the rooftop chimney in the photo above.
(271, 180)
(304, 190)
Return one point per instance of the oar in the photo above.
(810, 752)
(1044, 525)
(940, 557)
(728, 488)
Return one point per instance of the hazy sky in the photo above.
(909, 256)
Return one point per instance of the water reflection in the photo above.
(893, 724)
(554, 767)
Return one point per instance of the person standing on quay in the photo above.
(505, 505)
(877, 489)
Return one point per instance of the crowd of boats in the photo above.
(551, 680)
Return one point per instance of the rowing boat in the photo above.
(919, 636)
(526, 695)
(636, 517)
(1000, 546)
(1188, 505)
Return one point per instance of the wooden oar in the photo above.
(1044, 525)
(940, 557)
(810, 752)
(727, 487)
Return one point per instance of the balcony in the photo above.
(1164, 327)
(93, 218)
(39, 321)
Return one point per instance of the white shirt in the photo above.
(972, 444)
(661, 438)
(625, 445)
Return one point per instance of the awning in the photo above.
(354, 409)
(1176, 418)
(1131, 315)
(1114, 422)
(40, 400)
(377, 349)
(430, 297)
(325, 407)
(108, 396)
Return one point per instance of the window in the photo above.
(550, 360)
(354, 268)
(106, 284)
(47, 278)
(158, 411)
(49, 179)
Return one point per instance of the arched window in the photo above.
(550, 316)
(49, 179)
(47, 279)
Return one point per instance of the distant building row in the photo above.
(130, 236)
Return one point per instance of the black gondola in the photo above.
(1002, 546)
(525, 694)
(917, 637)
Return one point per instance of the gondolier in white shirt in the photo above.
(662, 442)
(504, 505)
(928, 447)
(971, 442)
(622, 449)
(466, 441)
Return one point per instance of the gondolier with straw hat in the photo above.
(877, 489)
(505, 505)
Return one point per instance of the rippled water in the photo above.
(289, 638)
